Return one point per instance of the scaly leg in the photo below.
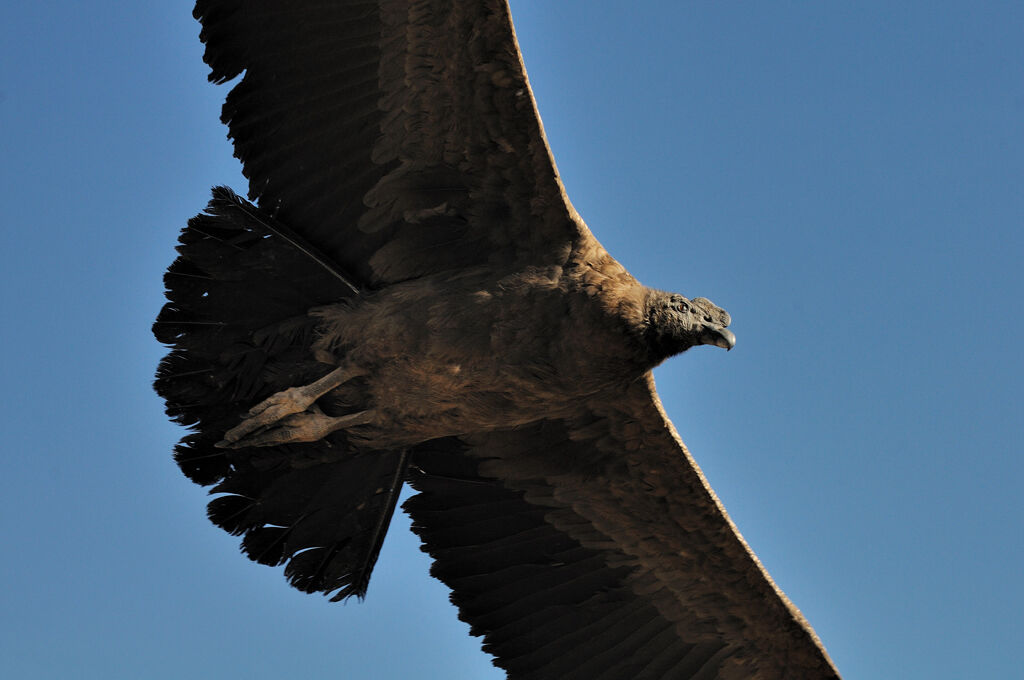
(293, 400)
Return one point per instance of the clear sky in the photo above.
(844, 177)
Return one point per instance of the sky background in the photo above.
(844, 177)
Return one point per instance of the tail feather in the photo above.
(237, 325)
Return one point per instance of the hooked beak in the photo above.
(718, 336)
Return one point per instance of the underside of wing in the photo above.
(594, 548)
(399, 137)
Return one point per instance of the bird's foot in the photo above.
(277, 407)
(309, 426)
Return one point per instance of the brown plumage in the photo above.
(415, 300)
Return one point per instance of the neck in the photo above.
(664, 335)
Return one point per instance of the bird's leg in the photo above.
(279, 407)
(310, 426)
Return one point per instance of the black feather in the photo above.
(236, 320)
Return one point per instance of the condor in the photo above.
(413, 299)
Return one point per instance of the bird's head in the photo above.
(675, 324)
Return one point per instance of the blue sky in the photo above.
(844, 178)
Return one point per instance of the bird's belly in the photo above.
(418, 401)
(485, 355)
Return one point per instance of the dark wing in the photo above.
(400, 138)
(594, 549)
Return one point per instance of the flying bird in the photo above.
(410, 297)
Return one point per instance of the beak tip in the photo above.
(721, 337)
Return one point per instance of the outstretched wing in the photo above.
(595, 549)
(399, 137)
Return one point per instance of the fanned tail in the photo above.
(237, 325)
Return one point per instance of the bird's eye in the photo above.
(683, 307)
